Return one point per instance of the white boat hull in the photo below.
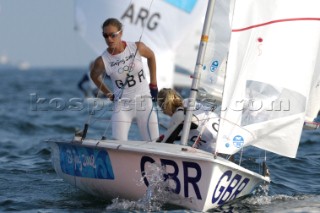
(114, 169)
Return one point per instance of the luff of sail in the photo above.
(265, 96)
(215, 59)
(162, 25)
(314, 97)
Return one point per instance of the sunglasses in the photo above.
(112, 35)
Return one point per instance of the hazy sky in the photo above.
(41, 33)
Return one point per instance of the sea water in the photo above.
(37, 105)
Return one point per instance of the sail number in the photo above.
(192, 180)
(228, 187)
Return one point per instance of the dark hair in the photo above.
(112, 21)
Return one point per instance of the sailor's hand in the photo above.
(154, 92)
(160, 138)
(110, 96)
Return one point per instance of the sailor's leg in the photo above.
(121, 122)
(147, 120)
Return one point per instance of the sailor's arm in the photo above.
(146, 52)
(96, 74)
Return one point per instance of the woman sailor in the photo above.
(133, 96)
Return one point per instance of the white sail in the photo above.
(163, 25)
(213, 74)
(265, 96)
(314, 97)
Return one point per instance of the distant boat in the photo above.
(6, 64)
(24, 65)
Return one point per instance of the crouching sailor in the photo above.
(204, 126)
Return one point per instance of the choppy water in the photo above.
(36, 105)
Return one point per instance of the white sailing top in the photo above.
(126, 72)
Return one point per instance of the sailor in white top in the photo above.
(132, 95)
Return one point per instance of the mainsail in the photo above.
(163, 25)
(274, 51)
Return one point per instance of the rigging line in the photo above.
(203, 123)
(148, 125)
(224, 87)
(86, 125)
(105, 120)
(77, 52)
(130, 68)
(112, 54)
(240, 159)
(265, 171)
(104, 76)
(153, 103)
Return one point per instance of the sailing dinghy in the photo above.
(264, 102)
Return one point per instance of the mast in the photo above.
(197, 71)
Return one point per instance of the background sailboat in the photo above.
(162, 24)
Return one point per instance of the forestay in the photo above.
(161, 24)
(273, 54)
